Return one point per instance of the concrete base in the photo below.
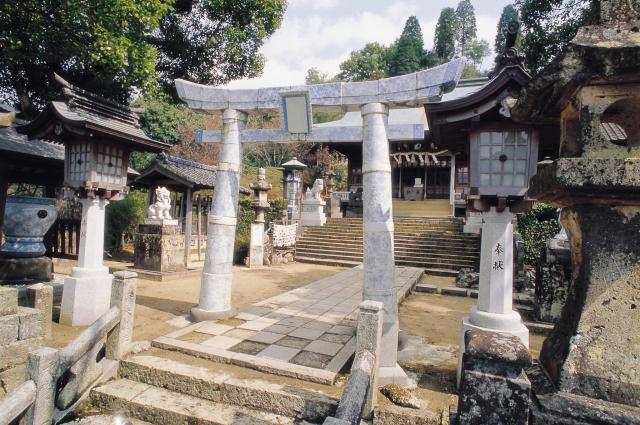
(86, 296)
(161, 221)
(395, 375)
(473, 224)
(200, 315)
(509, 326)
(313, 213)
(25, 270)
(256, 246)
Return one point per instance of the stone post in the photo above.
(42, 366)
(215, 287)
(494, 311)
(379, 263)
(260, 203)
(87, 291)
(123, 296)
(452, 186)
(368, 338)
(40, 297)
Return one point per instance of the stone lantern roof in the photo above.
(604, 51)
(294, 164)
(85, 114)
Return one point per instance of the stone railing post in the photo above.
(215, 287)
(40, 297)
(42, 367)
(379, 262)
(123, 296)
(368, 338)
(494, 388)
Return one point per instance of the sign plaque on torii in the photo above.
(373, 99)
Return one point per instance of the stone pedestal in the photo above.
(494, 311)
(25, 270)
(256, 247)
(87, 292)
(335, 203)
(159, 247)
(379, 263)
(215, 288)
(473, 224)
(313, 213)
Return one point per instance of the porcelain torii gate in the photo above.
(373, 99)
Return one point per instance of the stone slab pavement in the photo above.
(307, 333)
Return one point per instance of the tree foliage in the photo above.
(408, 55)
(368, 63)
(214, 41)
(97, 44)
(315, 76)
(445, 36)
(466, 25)
(477, 51)
(548, 25)
(109, 46)
(509, 13)
(536, 229)
(123, 217)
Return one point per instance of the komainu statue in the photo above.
(160, 210)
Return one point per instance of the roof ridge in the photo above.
(167, 157)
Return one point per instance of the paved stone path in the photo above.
(307, 333)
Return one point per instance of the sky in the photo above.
(322, 33)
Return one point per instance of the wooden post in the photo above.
(4, 186)
(199, 224)
(188, 223)
(426, 168)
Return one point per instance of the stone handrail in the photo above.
(359, 395)
(17, 401)
(39, 395)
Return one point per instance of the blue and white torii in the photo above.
(373, 99)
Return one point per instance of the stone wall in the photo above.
(23, 329)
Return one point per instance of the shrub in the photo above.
(123, 217)
(246, 216)
(537, 227)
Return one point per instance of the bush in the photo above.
(246, 216)
(536, 228)
(123, 217)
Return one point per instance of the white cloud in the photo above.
(311, 37)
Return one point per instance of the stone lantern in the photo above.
(98, 136)
(331, 180)
(592, 91)
(260, 203)
(292, 186)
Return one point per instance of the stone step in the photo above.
(328, 244)
(164, 407)
(403, 254)
(343, 260)
(223, 386)
(397, 237)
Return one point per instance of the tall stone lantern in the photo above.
(592, 91)
(292, 186)
(330, 177)
(260, 204)
(98, 136)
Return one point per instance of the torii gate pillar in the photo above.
(379, 262)
(215, 287)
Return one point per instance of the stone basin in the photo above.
(26, 221)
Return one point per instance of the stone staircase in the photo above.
(166, 388)
(436, 244)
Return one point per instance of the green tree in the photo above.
(408, 55)
(368, 63)
(466, 28)
(548, 25)
(477, 51)
(509, 13)
(314, 76)
(109, 47)
(444, 41)
(214, 41)
(98, 45)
